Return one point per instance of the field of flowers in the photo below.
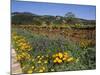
(38, 53)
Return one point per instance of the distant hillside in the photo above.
(26, 18)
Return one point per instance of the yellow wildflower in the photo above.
(30, 71)
(42, 56)
(32, 67)
(65, 53)
(40, 70)
(18, 57)
(22, 48)
(60, 55)
(20, 44)
(70, 59)
(57, 58)
(16, 42)
(64, 58)
(15, 37)
(45, 61)
(39, 62)
(38, 56)
(23, 54)
(59, 61)
(55, 61)
(43, 68)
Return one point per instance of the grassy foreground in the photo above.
(38, 53)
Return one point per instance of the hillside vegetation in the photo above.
(26, 18)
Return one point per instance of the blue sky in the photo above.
(80, 11)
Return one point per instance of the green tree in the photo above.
(70, 18)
